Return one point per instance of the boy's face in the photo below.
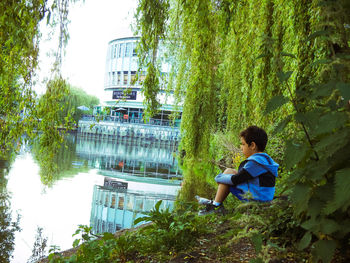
(248, 150)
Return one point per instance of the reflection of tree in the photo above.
(7, 227)
(57, 161)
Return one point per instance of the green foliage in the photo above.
(7, 230)
(72, 99)
(232, 57)
(168, 232)
(39, 246)
(57, 162)
(321, 158)
(151, 17)
(19, 41)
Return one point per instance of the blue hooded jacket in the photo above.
(264, 171)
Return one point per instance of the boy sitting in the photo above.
(256, 175)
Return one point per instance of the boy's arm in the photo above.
(241, 177)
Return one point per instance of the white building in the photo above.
(122, 92)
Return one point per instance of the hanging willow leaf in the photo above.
(341, 198)
(318, 34)
(321, 62)
(262, 56)
(324, 250)
(275, 102)
(284, 76)
(285, 54)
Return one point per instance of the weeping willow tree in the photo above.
(282, 65)
(19, 48)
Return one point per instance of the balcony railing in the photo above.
(117, 119)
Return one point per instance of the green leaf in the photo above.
(295, 152)
(282, 124)
(341, 198)
(322, 90)
(73, 258)
(257, 241)
(321, 62)
(76, 242)
(140, 219)
(314, 208)
(285, 54)
(256, 260)
(329, 226)
(262, 56)
(275, 102)
(332, 142)
(300, 197)
(317, 34)
(284, 76)
(158, 205)
(330, 121)
(344, 89)
(305, 241)
(311, 225)
(324, 250)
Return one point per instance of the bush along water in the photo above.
(168, 233)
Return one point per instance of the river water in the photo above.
(102, 183)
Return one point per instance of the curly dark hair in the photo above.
(255, 134)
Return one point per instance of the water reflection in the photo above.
(8, 227)
(113, 210)
(137, 158)
(76, 194)
(140, 171)
(58, 162)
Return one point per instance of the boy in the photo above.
(257, 174)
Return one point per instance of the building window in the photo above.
(134, 54)
(121, 202)
(127, 50)
(106, 200)
(125, 77)
(115, 50)
(113, 78)
(119, 77)
(133, 77)
(113, 201)
(120, 50)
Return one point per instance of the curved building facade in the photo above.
(122, 90)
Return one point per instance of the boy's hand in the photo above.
(230, 171)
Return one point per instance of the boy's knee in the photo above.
(230, 171)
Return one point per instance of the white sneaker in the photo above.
(202, 200)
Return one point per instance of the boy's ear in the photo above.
(253, 146)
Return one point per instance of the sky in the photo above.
(93, 24)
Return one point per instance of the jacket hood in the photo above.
(266, 161)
